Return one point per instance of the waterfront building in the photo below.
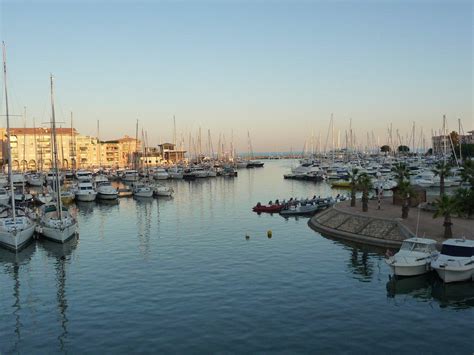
(31, 150)
(441, 141)
(170, 154)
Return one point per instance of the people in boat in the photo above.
(277, 202)
(258, 204)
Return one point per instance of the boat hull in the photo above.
(18, 241)
(59, 235)
(86, 197)
(103, 196)
(412, 270)
(449, 276)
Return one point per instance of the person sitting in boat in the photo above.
(277, 202)
(270, 203)
(258, 204)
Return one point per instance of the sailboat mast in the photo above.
(9, 148)
(34, 137)
(55, 154)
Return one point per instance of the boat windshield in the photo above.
(456, 250)
(413, 246)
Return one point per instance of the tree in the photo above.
(446, 206)
(442, 170)
(403, 149)
(465, 198)
(353, 184)
(454, 138)
(385, 149)
(364, 184)
(430, 151)
(467, 173)
(405, 191)
(401, 172)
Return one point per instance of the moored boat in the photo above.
(414, 257)
(456, 261)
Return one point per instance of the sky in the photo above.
(277, 69)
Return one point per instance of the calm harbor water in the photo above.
(177, 275)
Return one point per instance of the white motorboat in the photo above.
(98, 179)
(414, 257)
(84, 175)
(161, 174)
(35, 179)
(456, 261)
(51, 176)
(58, 228)
(105, 191)
(161, 190)
(142, 190)
(130, 176)
(85, 192)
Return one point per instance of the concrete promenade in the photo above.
(384, 227)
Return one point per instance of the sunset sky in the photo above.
(275, 68)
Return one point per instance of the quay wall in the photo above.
(382, 232)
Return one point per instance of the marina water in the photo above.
(178, 275)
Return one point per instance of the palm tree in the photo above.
(353, 184)
(465, 198)
(364, 184)
(443, 170)
(405, 191)
(446, 206)
(468, 172)
(401, 171)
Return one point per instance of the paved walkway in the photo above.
(427, 227)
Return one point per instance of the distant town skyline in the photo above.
(277, 69)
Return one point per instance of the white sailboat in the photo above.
(56, 222)
(16, 228)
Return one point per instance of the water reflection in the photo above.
(61, 254)
(429, 287)
(144, 213)
(12, 262)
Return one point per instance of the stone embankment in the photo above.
(383, 226)
(383, 232)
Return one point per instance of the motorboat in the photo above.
(414, 257)
(98, 179)
(84, 175)
(69, 175)
(255, 164)
(270, 208)
(105, 191)
(161, 174)
(51, 176)
(56, 227)
(130, 176)
(299, 210)
(18, 178)
(142, 190)
(456, 261)
(175, 173)
(161, 190)
(85, 192)
(3, 180)
(35, 179)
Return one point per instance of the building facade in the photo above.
(31, 149)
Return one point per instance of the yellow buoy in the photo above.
(269, 233)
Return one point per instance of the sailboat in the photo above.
(56, 221)
(16, 228)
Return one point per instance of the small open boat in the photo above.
(299, 210)
(273, 208)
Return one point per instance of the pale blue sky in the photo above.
(277, 68)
